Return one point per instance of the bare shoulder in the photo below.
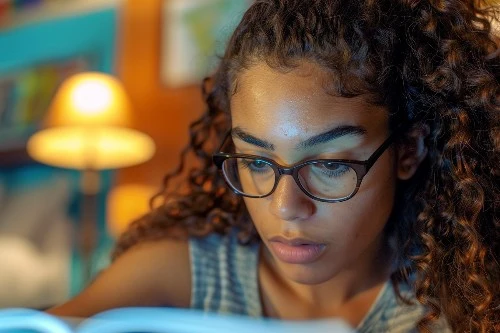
(152, 273)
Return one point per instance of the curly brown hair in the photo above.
(433, 62)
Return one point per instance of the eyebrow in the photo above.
(249, 138)
(330, 135)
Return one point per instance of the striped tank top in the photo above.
(225, 280)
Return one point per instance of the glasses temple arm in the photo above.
(226, 136)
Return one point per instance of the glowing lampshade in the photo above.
(88, 127)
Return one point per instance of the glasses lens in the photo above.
(328, 180)
(249, 176)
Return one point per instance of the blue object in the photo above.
(173, 320)
(61, 38)
(160, 320)
(26, 320)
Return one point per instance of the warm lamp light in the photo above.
(125, 204)
(88, 127)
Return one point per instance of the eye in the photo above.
(255, 165)
(332, 169)
(258, 164)
(332, 166)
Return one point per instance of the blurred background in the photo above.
(95, 100)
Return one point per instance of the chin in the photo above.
(311, 274)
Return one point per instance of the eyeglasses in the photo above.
(326, 180)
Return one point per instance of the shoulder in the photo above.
(224, 275)
(163, 267)
(164, 272)
(152, 273)
(218, 251)
(390, 313)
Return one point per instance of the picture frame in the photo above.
(193, 37)
(40, 55)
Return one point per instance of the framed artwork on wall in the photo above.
(25, 96)
(194, 35)
(38, 57)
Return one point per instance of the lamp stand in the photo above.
(88, 231)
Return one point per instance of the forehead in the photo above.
(295, 104)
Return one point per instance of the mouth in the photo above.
(296, 250)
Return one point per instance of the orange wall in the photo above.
(162, 112)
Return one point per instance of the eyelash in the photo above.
(247, 165)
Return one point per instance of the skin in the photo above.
(284, 110)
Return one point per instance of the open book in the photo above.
(157, 320)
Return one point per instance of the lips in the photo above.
(296, 251)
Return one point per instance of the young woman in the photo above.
(357, 175)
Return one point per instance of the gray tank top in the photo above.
(224, 280)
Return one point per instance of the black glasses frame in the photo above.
(360, 167)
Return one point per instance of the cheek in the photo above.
(363, 217)
(358, 222)
(259, 211)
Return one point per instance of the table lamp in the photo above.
(88, 128)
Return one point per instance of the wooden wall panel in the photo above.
(162, 112)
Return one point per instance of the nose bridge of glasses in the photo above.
(285, 171)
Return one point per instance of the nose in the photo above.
(289, 203)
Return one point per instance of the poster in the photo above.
(194, 35)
